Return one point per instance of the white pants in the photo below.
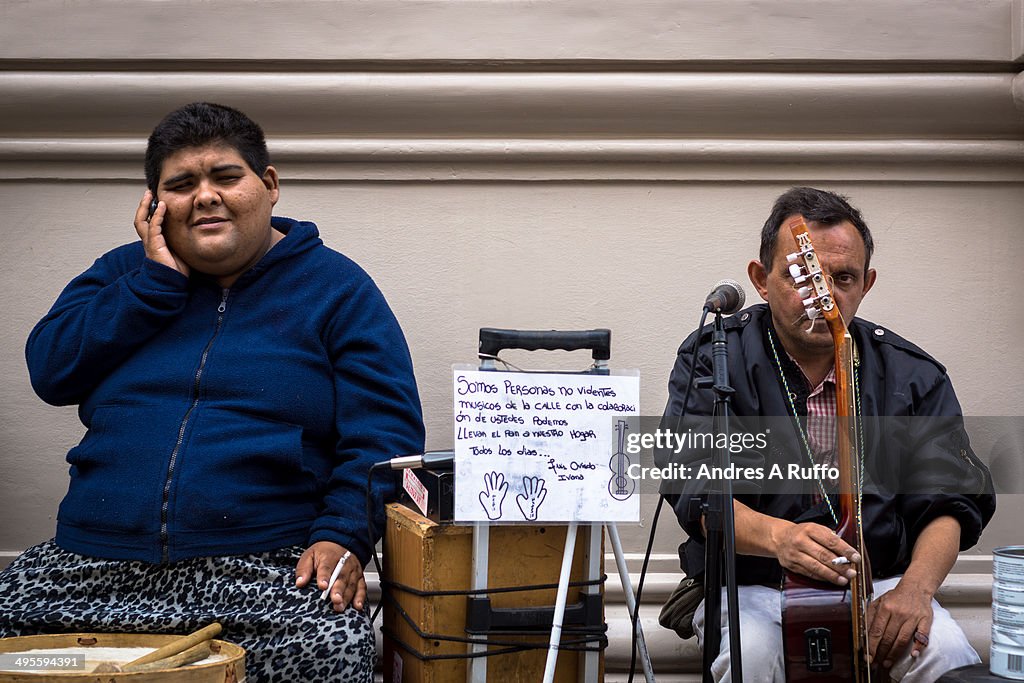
(761, 638)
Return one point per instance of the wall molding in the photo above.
(967, 31)
(525, 104)
(538, 126)
(1017, 31)
(461, 160)
(970, 574)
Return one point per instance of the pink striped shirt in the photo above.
(821, 420)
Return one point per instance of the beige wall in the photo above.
(535, 165)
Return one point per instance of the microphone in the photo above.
(432, 460)
(726, 298)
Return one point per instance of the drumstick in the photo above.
(179, 645)
(172, 648)
(196, 653)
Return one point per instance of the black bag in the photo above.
(677, 613)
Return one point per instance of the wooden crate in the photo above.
(431, 557)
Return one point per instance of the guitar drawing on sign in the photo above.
(620, 486)
(824, 629)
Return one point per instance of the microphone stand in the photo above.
(719, 521)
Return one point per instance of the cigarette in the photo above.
(840, 560)
(334, 574)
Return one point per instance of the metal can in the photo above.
(1007, 662)
(1007, 654)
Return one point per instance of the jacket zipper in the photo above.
(165, 546)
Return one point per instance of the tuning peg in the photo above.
(808, 303)
(804, 292)
(792, 258)
(812, 312)
(797, 272)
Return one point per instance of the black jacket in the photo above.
(918, 461)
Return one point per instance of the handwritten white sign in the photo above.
(532, 447)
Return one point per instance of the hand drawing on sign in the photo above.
(493, 495)
(533, 495)
(620, 486)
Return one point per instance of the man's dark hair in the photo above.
(203, 123)
(820, 206)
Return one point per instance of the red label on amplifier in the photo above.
(416, 490)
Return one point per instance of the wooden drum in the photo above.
(226, 665)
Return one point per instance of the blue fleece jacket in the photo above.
(226, 421)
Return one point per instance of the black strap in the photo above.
(507, 646)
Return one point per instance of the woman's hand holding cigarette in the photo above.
(338, 573)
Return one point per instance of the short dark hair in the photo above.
(820, 206)
(203, 123)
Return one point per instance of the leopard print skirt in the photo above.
(288, 634)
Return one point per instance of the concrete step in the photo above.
(966, 596)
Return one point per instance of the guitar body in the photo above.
(823, 630)
(817, 631)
